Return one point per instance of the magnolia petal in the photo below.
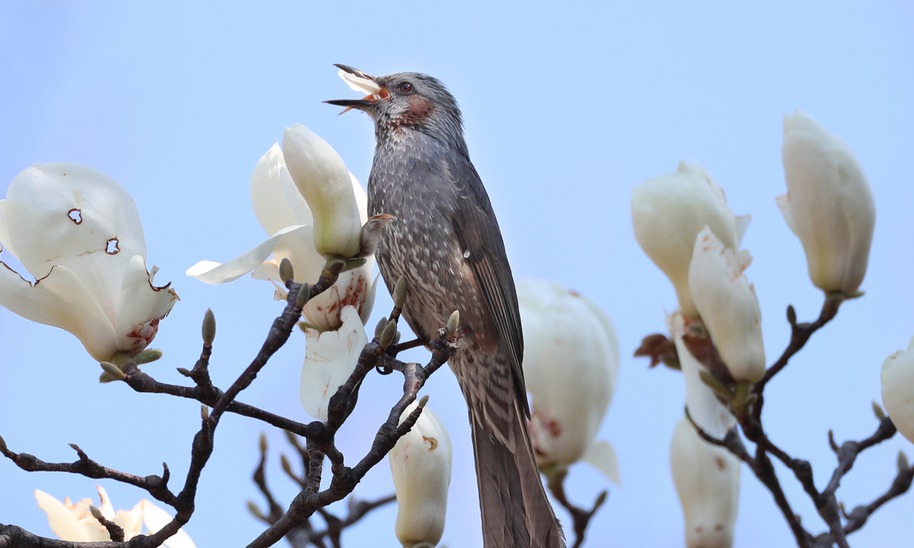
(323, 179)
(351, 288)
(728, 305)
(5, 244)
(783, 203)
(131, 521)
(156, 518)
(365, 309)
(276, 200)
(359, 83)
(602, 456)
(217, 273)
(60, 299)
(330, 357)
(307, 263)
(62, 520)
(59, 214)
(143, 306)
(107, 509)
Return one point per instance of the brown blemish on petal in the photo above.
(432, 443)
(721, 463)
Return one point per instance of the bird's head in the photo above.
(403, 101)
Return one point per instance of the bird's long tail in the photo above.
(515, 510)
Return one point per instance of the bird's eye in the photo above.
(405, 87)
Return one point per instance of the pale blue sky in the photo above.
(566, 109)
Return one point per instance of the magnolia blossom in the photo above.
(898, 389)
(316, 206)
(74, 522)
(283, 212)
(707, 482)
(79, 234)
(420, 463)
(828, 204)
(728, 306)
(571, 367)
(667, 214)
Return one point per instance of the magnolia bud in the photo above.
(707, 482)
(667, 214)
(898, 389)
(420, 463)
(571, 367)
(828, 204)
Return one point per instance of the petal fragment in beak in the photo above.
(359, 81)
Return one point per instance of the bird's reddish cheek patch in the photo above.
(418, 111)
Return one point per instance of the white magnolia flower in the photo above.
(701, 402)
(571, 367)
(728, 306)
(898, 389)
(667, 214)
(828, 204)
(79, 234)
(707, 482)
(73, 521)
(336, 203)
(283, 212)
(420, 463)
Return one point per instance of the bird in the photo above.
(446, 242)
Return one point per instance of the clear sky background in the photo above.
(567, 107)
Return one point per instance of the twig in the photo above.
(580, 517)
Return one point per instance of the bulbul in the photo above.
(446, 242)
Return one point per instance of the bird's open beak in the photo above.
(359, 81)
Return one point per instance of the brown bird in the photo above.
(446, 242)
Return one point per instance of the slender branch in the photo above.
(580, 517)
(344, 478)
(156, 486)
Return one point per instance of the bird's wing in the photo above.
(477, 232)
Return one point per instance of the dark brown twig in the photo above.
(580, 517)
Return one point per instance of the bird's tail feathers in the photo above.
(515, 509)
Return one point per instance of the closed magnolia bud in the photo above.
(420, 463)
(667, 214)
(898, 389)
(322, 178)
(828, 204)
(728, 305)
(707, 482)
(571, 367)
